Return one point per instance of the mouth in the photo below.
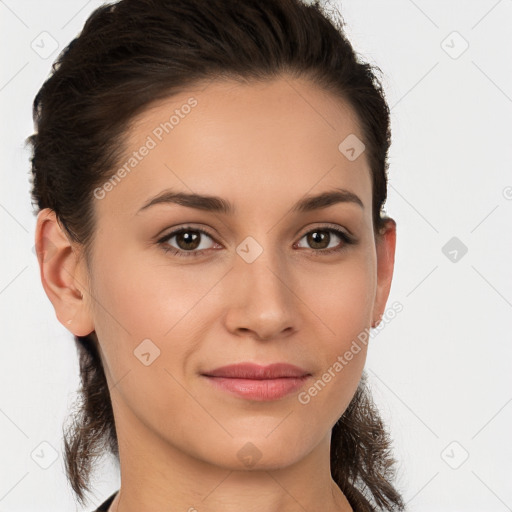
(255, 382)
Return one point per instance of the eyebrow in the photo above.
(219, 205)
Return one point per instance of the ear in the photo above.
(62, 274)
(385, 245)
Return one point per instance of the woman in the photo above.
(210, 179)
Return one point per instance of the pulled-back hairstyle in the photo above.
(135, 52)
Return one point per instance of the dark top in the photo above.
(104, 506)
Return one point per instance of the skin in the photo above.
(262, 147)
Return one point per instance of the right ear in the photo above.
(62, 274)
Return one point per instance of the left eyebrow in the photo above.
(326, 199)
(220, 205)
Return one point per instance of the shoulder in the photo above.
(104, 506)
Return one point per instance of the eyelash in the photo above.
(347, 240)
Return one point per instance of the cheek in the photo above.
(341, 296)
(139, 296)
(139, 292)
(142, 318)
(341, 299)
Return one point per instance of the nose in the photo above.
(261, 299)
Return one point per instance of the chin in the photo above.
(266, 454)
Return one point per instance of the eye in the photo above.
(320, 239)
(189, 241)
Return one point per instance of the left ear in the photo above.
(385, 245)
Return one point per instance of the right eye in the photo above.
(188, 239)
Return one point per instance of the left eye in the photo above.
(318, 237)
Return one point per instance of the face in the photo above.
(266, 282)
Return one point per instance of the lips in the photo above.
(257, 372)
(258, 383)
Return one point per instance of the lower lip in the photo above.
(261, 390)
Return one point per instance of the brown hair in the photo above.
(134, 52)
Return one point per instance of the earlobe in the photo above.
(61, 274)
(385, 245)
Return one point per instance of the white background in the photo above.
(440, 371)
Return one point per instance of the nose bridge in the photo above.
(261, 258)
(261, 264)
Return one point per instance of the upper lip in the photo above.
(257, 372)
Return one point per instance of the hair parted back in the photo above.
(135, 52)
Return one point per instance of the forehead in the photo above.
(241, 140)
